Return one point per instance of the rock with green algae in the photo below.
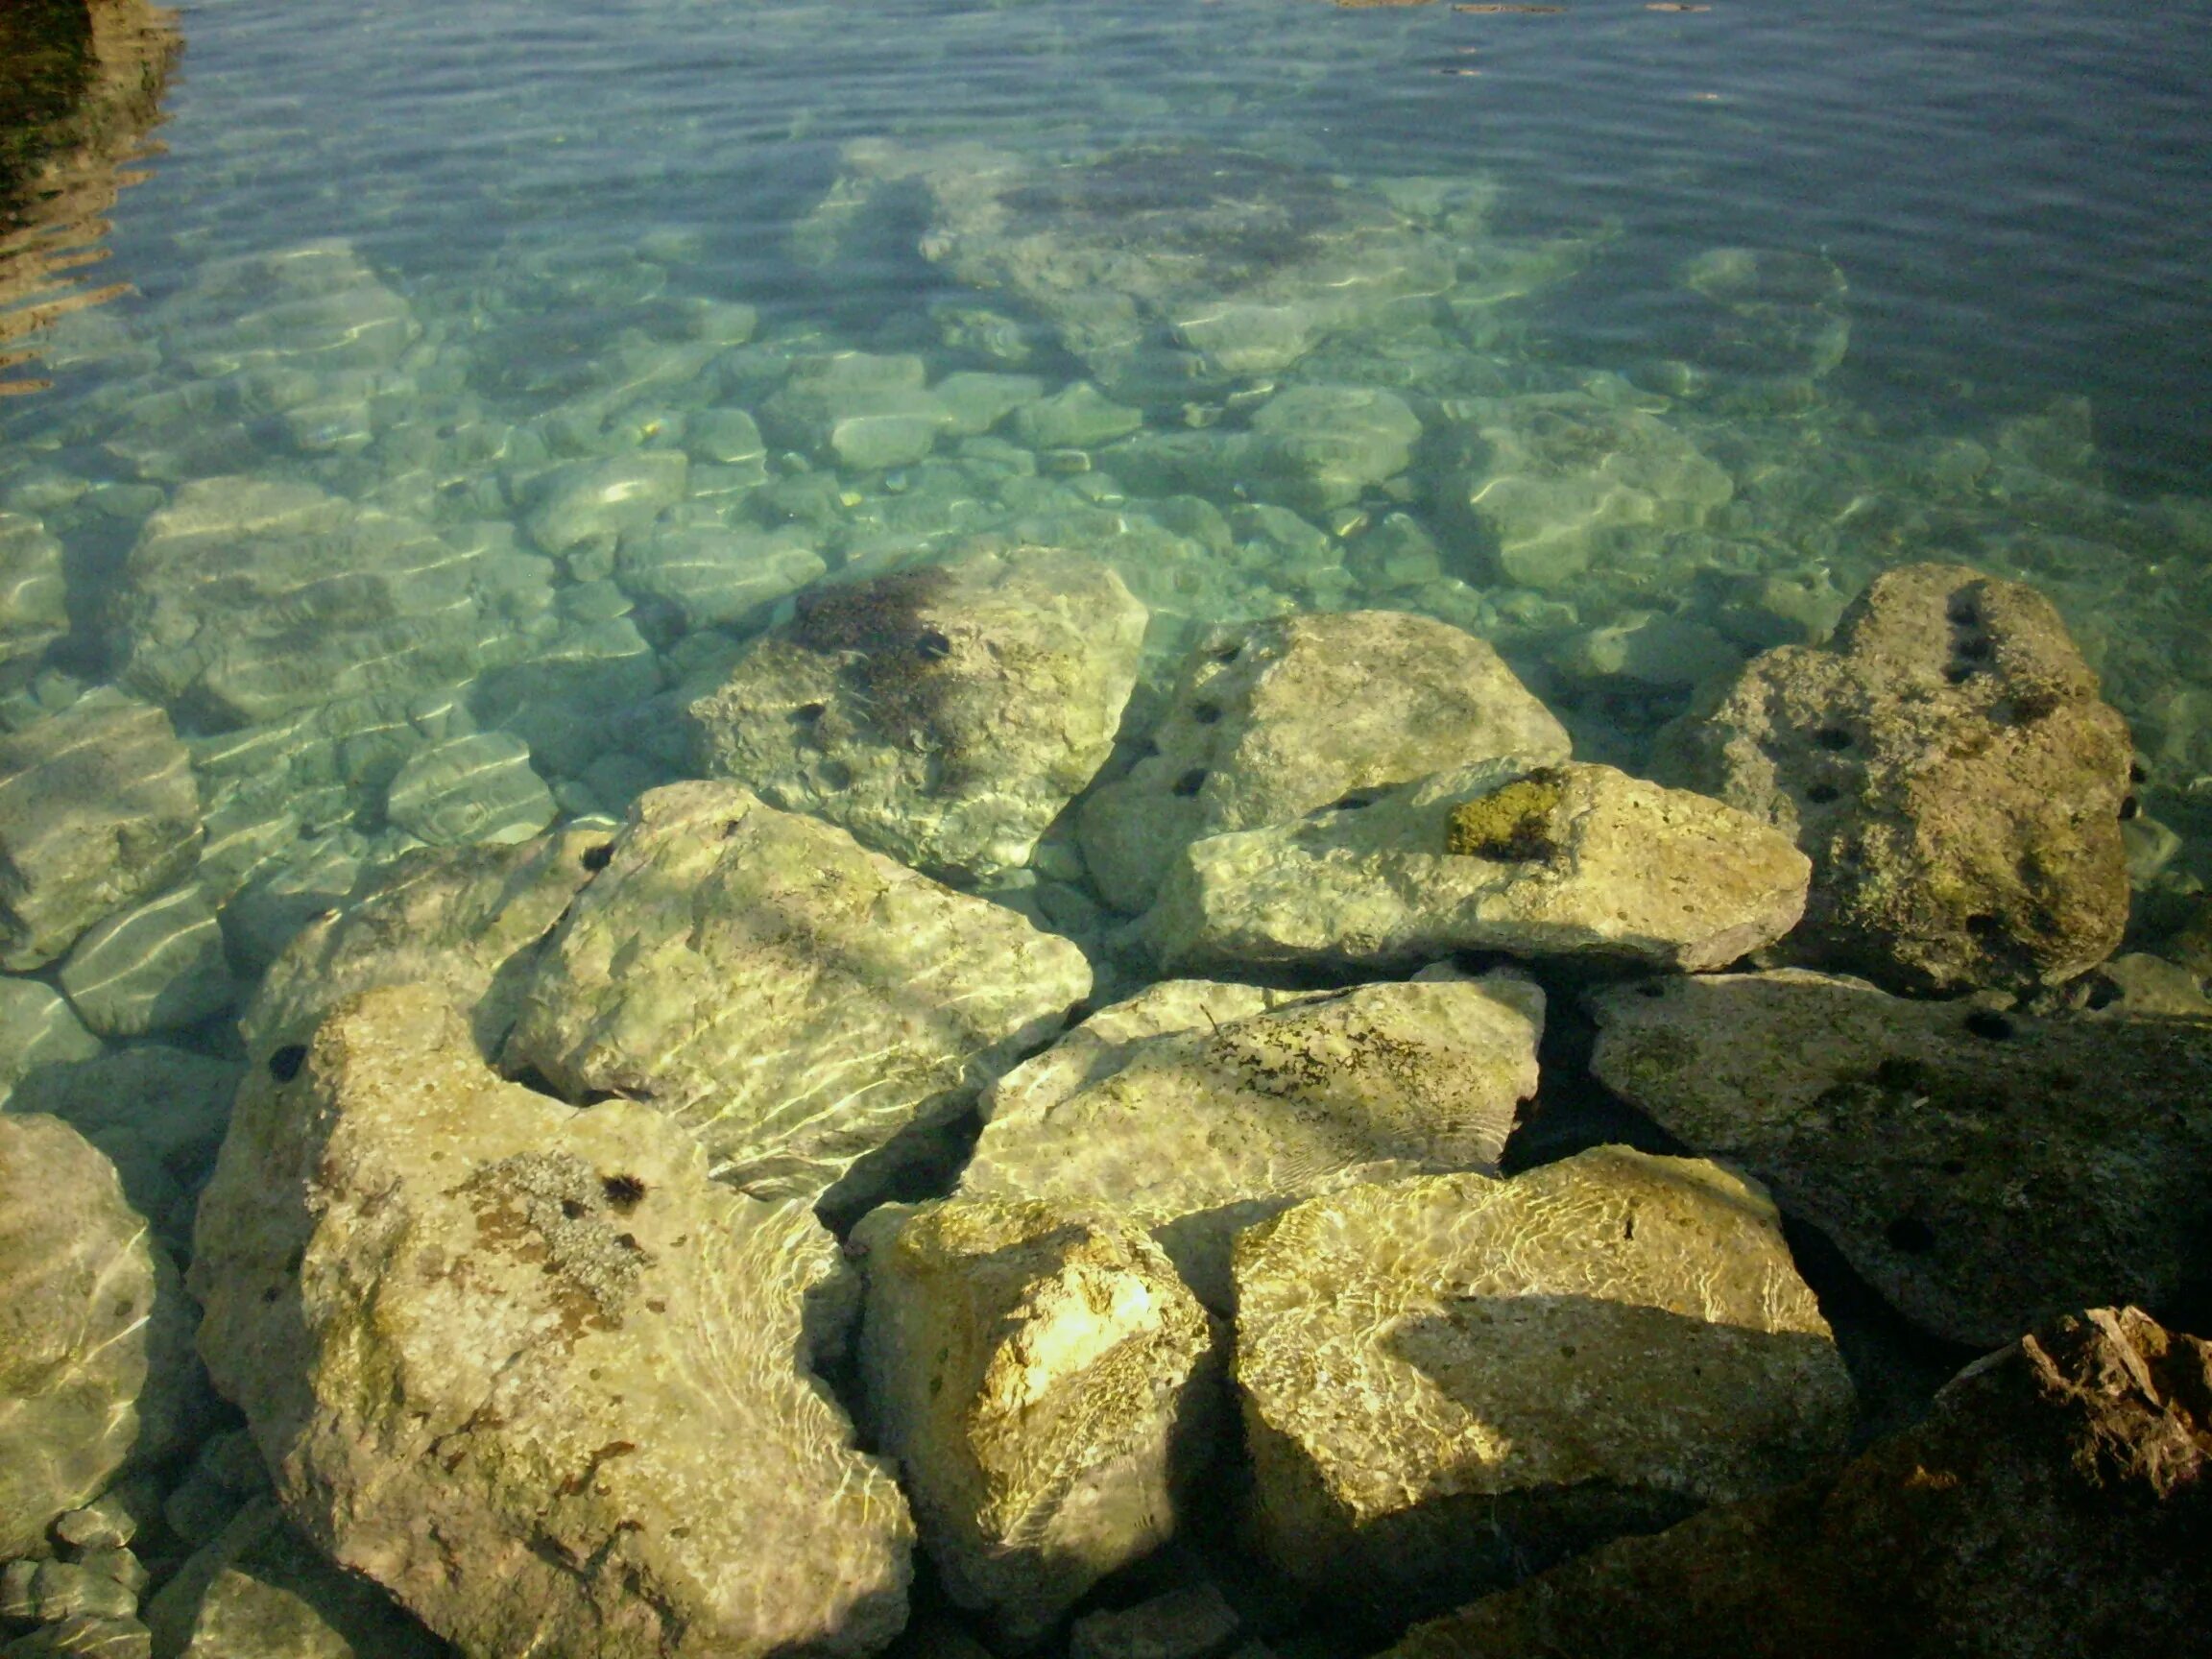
(1563, 860)
(945, 715)
(1983, 1169)
(1048, 1387)
(528, 1369)
(1271, 720)
(1449, 1379)
(1199, 1109)
(95, 1334)
(2057, 1501)
(1949, 766)
(795, 1000)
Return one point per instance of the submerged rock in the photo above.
(1983, 1171)
(715, 577)
(32, 613)
(1950, 768)
(792, 998)
(1049, 1388)
(497, 1353)
(2053, 1504)
(858, 410)
(945, 715)
(97, 810)
(153, 967)
(95, 1335)
(477, 787)
(1449, 1379)
(1272, 720)
(1200, 1108)
(1559, 860)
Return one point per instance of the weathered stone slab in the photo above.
(529, 1368)
(1049, 1388)
(37, 1028)
(1560, 860)
(792, 998)
(1450, 1379)
(1981, 1169)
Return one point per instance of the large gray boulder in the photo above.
(2054, 1502)
(97, 810)
(1949, 766)
(528, 1369)
(1201, 1108)
(1450, 1379)
(95, 1334)
(1272, 720)
(1983, 1171)
(945, 715)
(794, 1000)
(1543, 861)
(1049, 1388)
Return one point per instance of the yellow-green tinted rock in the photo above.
(1619, 868)
(529, 1368)
(792, 998)
(1049, 1388)
(95, 1335)
(37, 1028)
(477, 787)
(1450, 1379)
(153, 968)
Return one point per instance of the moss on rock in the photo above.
(1513, 823)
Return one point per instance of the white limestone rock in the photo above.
(1549, 862)
(37, 1028)
(792, 998)
(1049, 1388)
(528, 1369)
(1452, 1380)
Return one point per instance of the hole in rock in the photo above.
(1911, 1235)
(600, 856)
(1964, 611)
(1975, 648)
(2103, 995)
(1831, 737)
(574, 1209)
(1822, 794)
(1982, 926)
(624, 1192)
(2136, 773)
(1207, 713)
(1959, 673)
(284, 1065)
(1954, 1166)
(810, 712)
(1988, 1023)
(2129, 807)
(1190, 783)
(932, 646)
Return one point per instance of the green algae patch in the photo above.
(1513, 824)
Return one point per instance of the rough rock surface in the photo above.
(95, 1335)
(97, 810)
(1201, 1108)
(1449, 1379)
(944, 714)
(1950, 768)
(1272, 720)
(1558, 860)
(792, 997)
(1983, 1171)
(476, 788)
(528, 1369)
(2057, 1502)
(1049, 1388)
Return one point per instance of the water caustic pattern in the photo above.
(1106, 457)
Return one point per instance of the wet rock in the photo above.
(945, 715)
(1560, 860)
(479, 787)
(97, 810)
(568, 1326)
(1078, 417)
(95, 1338)
(1949, 766)
(1270, 721)
(316, 307)
(37, 1028)
(859, 410)
(153, 968)
(1192, 1622)
(2052, 1504)
(1322, 447)
(1652, 649)
(1049, 1388)
(597, 503)
(793, 999)
(84, 1637)
(1559, 480)
(261, 1591)
(1981, 1169)
(978, 402)
(716, 578)
(64, 1590)
(33, 614)
(1770, 314)
(1450, 1380)
(1198, 1107)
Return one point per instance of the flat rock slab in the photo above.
(1049, 1388)
(528, 1369)
(98, 809)
(945, 715)
(1981, 1169)
(1950, 768)
(95, 1334)
(1447, 1380)
(2052, 1503)
(1545, 861)
(1272, 720)
(1202, 1107)
(792, 998)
